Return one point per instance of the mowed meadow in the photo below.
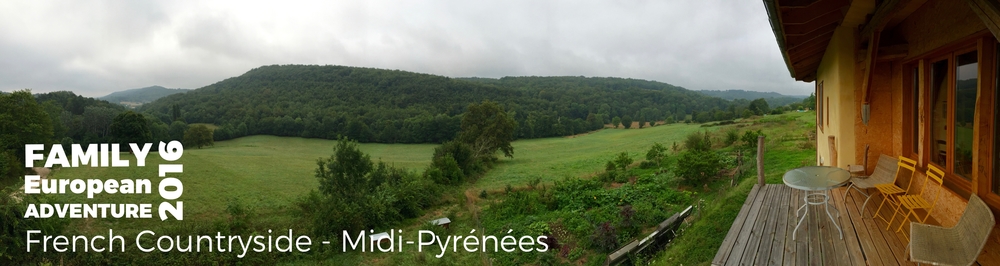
(269, 173)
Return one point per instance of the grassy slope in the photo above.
(265, 172)
(553, 158)
(269, 173)
(700, 240)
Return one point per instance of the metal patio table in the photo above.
(816, 181)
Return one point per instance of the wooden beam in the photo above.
(886, 53)
(818, 33)
(796, 3)
(903, 10)
(795, 15)
(870, 63)
(811, 48)
(824, 39)
(827, 27)
(882, 14)
(812, 25)
(808, 61)
(989, 12)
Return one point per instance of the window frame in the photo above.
(988, 74)
(820, 110)
(912, 83)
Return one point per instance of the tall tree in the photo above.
(617, 121)
(130, 127)
(175, 112)
(627, 121)
(759, 107)
(22, 121)
(486, 128)
(177, 129)
(198, 135)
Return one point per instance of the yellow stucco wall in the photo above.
(837, 74)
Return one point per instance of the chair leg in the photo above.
(877, 211)
(906, 219)
(894, 212)
(865, 204)
(848, 190)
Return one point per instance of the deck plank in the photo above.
(746, 234)
(762, 233)
(828, 234)
(853, 203)
(781, 226)
(757, 228)
(766, 227)
(848, 248)
(788, 256)
(734, 230)
(875, 229)
(815, 236)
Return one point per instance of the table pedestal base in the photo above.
(817, 198)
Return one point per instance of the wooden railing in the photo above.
(665, 232)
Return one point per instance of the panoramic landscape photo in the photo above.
(817, 132)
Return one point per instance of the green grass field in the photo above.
(269, 173)
(554, 158)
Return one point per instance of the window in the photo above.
(819, 105)
(952, 88)
(915, 102)
(965, 92)
(911, 99)
(939, 113)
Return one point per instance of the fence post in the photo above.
(760, 160)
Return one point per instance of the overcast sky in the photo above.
(95, 48)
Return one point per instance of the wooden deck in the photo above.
(762, 232)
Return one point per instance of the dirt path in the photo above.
(41, 171)
(470, 203)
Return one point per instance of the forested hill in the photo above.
(141, 95)
(375, 105)
(773, 98)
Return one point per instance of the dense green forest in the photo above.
(141, 95)
(392, 106)
(772, 98)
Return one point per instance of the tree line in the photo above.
(392, 106)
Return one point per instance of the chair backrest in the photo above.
(906, 167)
(937, 175)
(885, 168)
(975, 225)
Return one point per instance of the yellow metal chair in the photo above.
(914, 202)
(890, 191)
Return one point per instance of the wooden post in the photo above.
(760, 160)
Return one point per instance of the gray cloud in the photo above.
(97, 47)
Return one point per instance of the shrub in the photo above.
(239, 215)
(698, 141)
(605, 237)
(731, 137)
(450, 171)
(749, 139)
(655, 156)
(622, 161)
(696, 166)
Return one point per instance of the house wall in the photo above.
(837, 73)
(936, 24)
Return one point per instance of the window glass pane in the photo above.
(939, 112)
(996, 122)
(966, 77)
(915, 101)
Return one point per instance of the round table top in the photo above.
(814, 178)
